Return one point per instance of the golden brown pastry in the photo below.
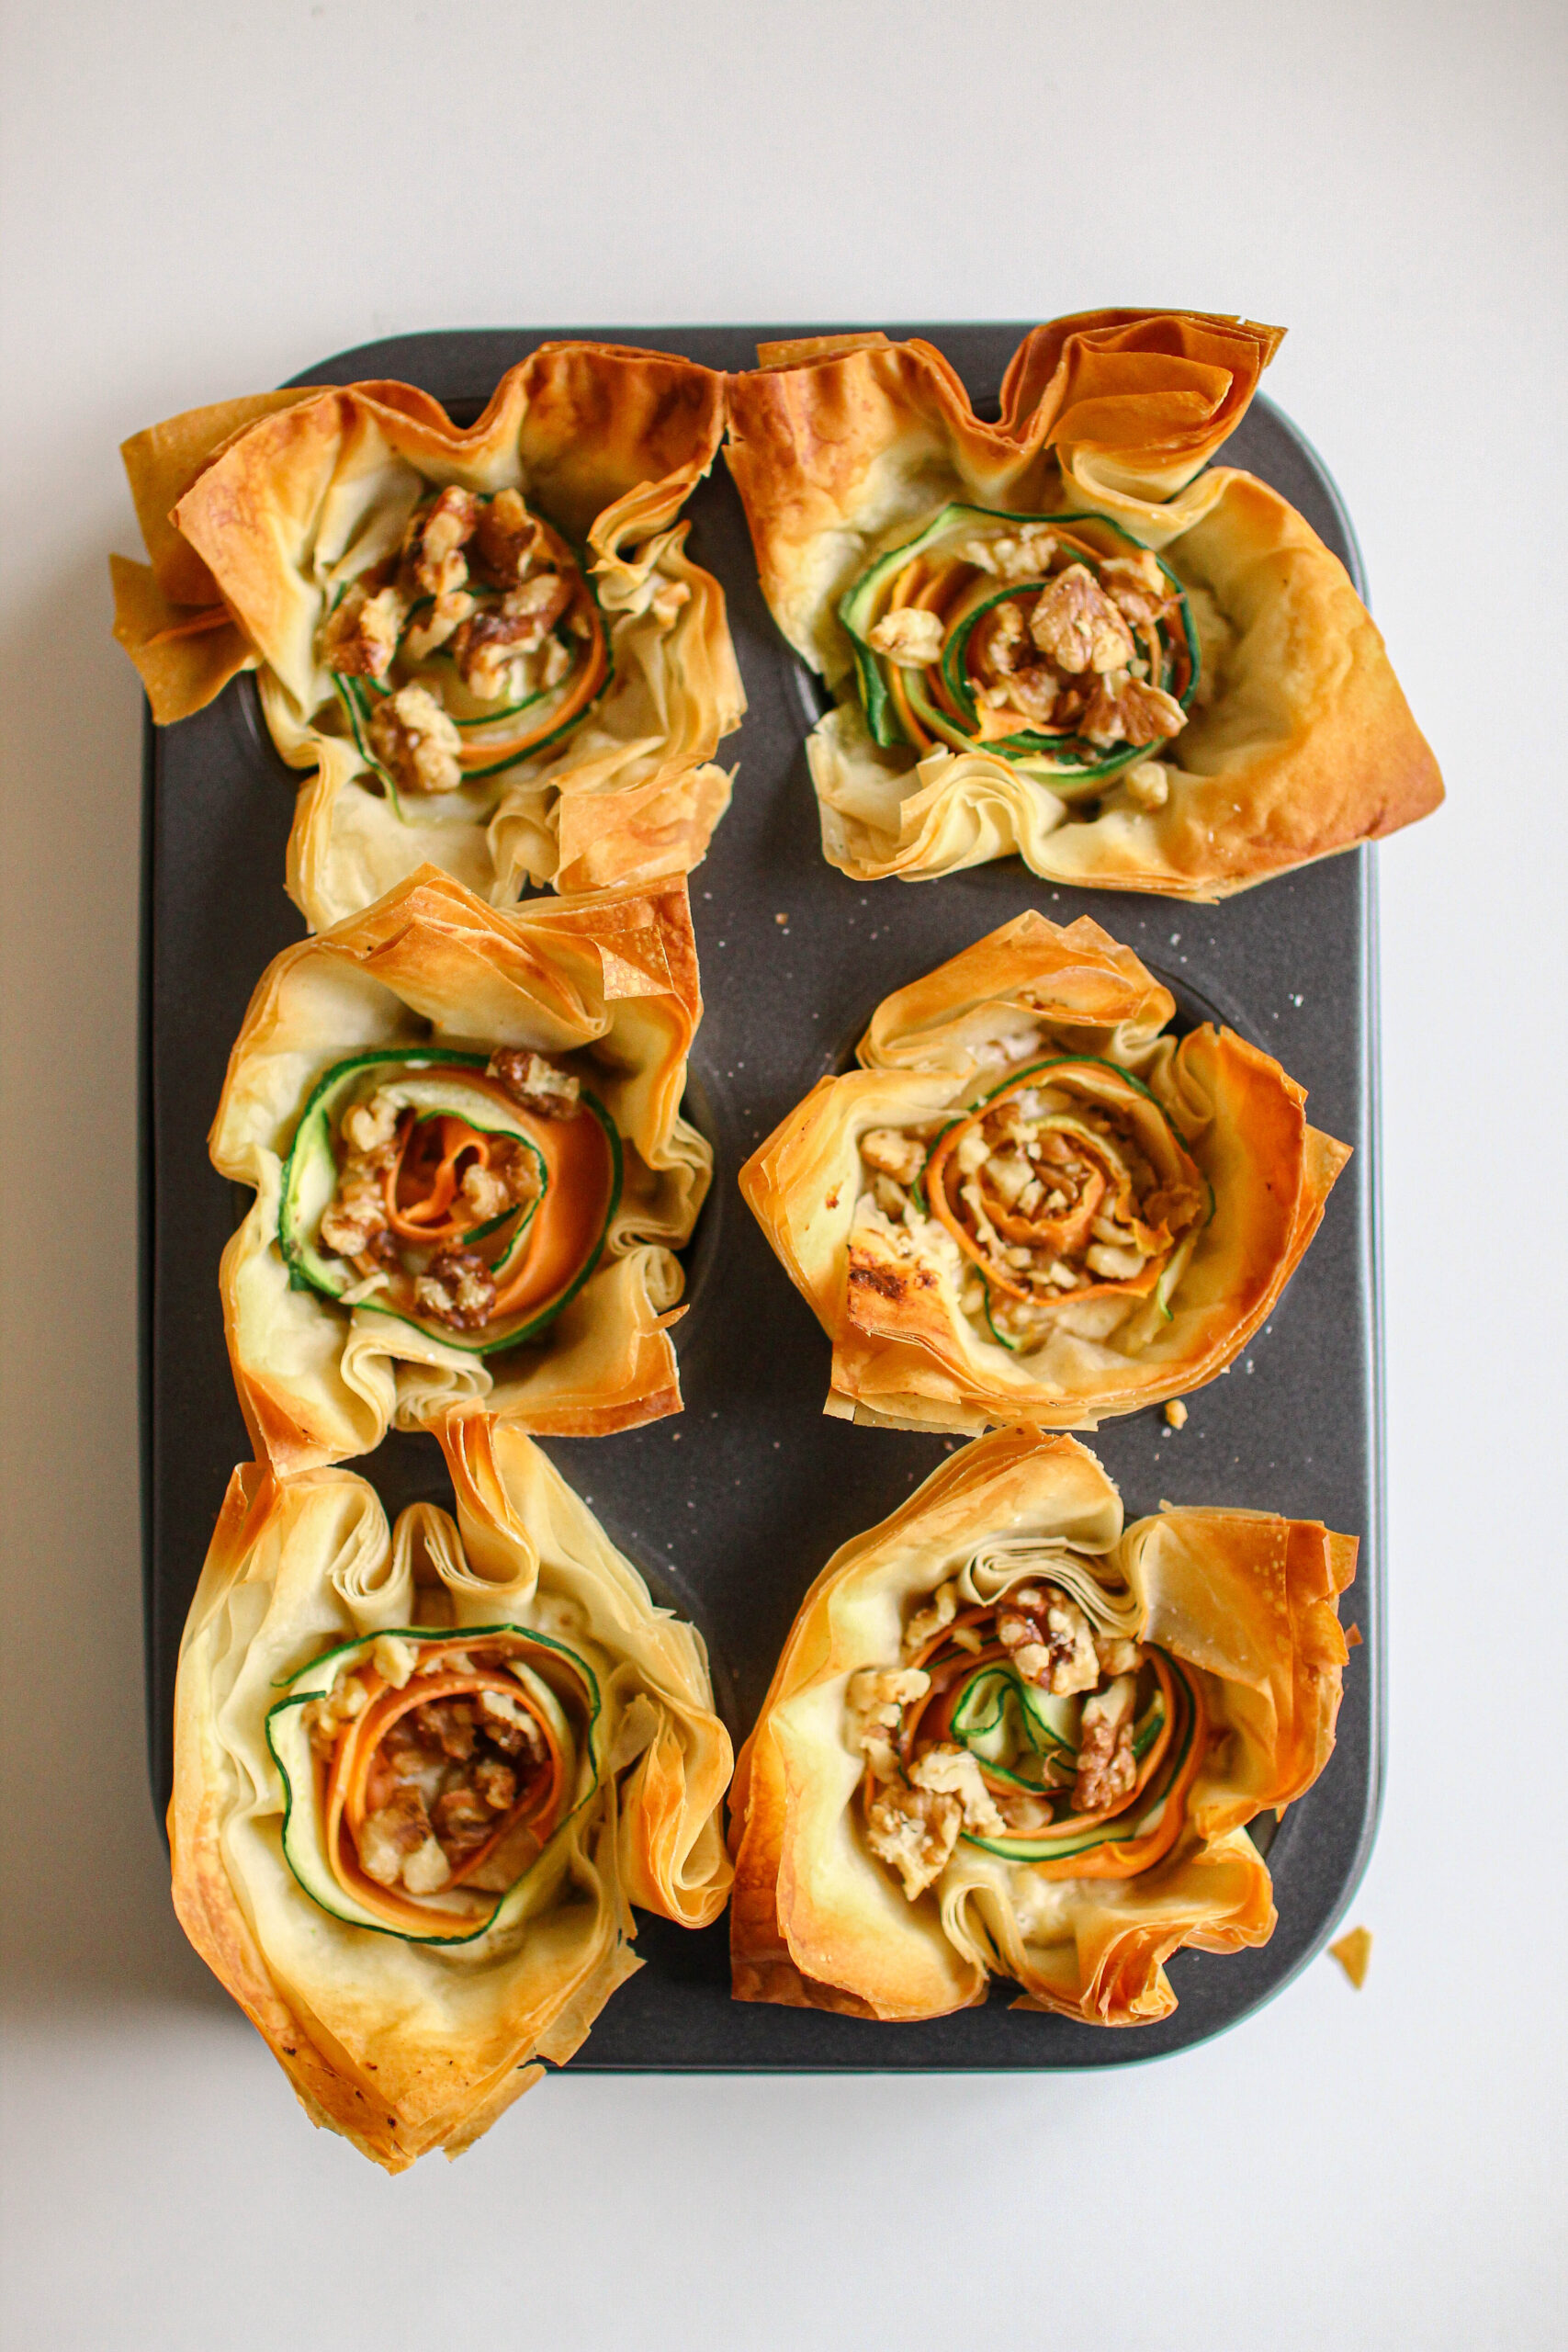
(422, 1776)
(1033, 1202)
(462, 1128)
(487, 642)
(1008, 1737)
(1066, 633)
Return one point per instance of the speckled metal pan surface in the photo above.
(731, 1508)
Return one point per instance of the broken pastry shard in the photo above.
(1009, 1737)
(486, 643)
(462, 1128)
(1032, 1201)
(1066, 634)
(421, 1777)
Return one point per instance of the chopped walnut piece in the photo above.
(915, 1831)
(953, 1771)
(457, 1288)
(933, 1619)
(1136, 586)
(506, 537)
(912, 636)
(490, 646)
(1176, 1414)
(1026, 1816)
(416, 742)
(881, 1693)
(496, 1782)
(446, 1724)
(360, 639)
(1123, 709)
(1075, 624)
(892, 1153)
(1116, 1655)
(535, 1084)
(1024, 555)
(463, 1821)
(390, 1838)
(370, 1129)
(1051, 1640)
(435, 622)
(509, 1725)
(355, 1217)
(435, 539)
(1107, 1768)
(485, 1194)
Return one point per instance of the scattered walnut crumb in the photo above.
(1176, 1413)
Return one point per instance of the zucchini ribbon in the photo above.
(1059, 641)
(419, 1186)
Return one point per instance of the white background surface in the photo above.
(201, 197)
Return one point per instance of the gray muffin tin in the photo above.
(732, 1508)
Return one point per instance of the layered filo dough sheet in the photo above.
(463, 1128)
(423, 1774)
(487, 645)
(1066, 634)
(1009, 1737)
(1032, 1201)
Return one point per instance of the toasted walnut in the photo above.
(506, 537)
(457, 1288)
(890, 1198)
(892, 1153)
(485, 1193)
(535, 1084)
(509, 1725)
(1075, 624)
(390, 1839)
(1000, 641)
(326, 1717)
(433, 544)
(416, 742)
(448, 1723)
(356, 1218)
(881, 1693)
(1123, 709)
(1107, 1768)
(1116, 1655)
(1113, 1265)
(1025, 554)
(933, 1619)
(1051, 1640)
(953, 1771)
(488, 647)
(436, 622)
(360, 639)
(370, 1129)
(463, 1820)
(1136, 586)
(915, 1832)
(912, 636)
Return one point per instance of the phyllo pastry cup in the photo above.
(486, 643)
(420, 1778)
(1010, 1737)
(1033, 1203)
(463, 1126)
(1059, 634)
